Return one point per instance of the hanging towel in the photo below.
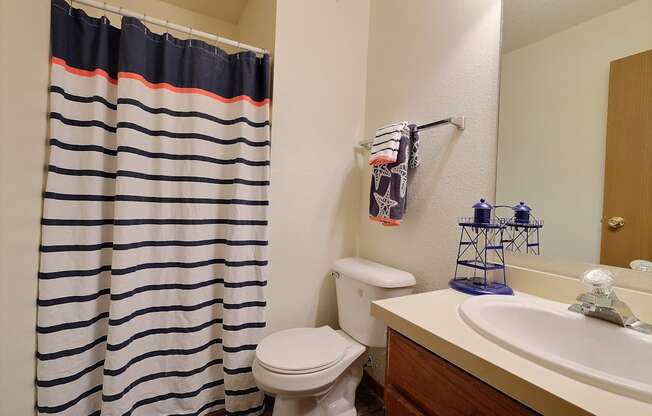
(388, 195)
(384, 148)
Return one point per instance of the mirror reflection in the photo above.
(575, 126)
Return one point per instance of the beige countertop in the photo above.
(431, 320)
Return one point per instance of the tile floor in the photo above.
(367, 402)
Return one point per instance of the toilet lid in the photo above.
(301, 350)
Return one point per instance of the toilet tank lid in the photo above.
(373, 274)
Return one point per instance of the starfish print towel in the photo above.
(388, 194)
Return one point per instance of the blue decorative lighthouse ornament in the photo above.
(522, 233)
(482, 212)
(480, 267)
(521, 213)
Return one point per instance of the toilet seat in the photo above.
(277, 381)
(301, 350)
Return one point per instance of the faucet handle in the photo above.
(598, 281)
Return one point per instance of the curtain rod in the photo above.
(458, 122)
(167, 25)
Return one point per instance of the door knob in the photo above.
(616, 222)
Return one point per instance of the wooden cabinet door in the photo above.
(418, 381)
(628, 162)
(396, 404)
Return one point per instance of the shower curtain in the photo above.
(153, 255)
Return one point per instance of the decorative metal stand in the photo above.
(477, 242)
(523, 238)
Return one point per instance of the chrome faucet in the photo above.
(601, 302)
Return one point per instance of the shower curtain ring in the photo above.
(104, 18)
(190, 39)
(70, 8)
(167, 29)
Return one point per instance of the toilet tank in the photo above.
(358, 283)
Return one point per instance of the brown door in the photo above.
(628, 164)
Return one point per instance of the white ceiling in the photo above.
(228, 10)
(528, 21)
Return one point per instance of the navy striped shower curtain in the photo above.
(153, 255)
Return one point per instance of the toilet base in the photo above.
(338, 400)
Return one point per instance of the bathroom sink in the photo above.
(587, 349)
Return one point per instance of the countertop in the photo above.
(431, 320)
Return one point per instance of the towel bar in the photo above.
(456, 121)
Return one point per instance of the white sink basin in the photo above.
(546, 332)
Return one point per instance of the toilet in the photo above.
(315, 371)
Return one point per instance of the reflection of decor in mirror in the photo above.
(522, 229)
(523, 237)
(627, 223)
(641, 265)
(575, 124)
(480, 252)
(521, 213)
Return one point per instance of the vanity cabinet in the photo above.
(418, 382)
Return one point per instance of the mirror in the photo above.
(575, 128)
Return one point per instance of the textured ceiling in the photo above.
(228, 10)
(528, 21)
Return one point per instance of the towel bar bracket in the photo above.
(458, 122)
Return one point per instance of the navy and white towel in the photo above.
(389, 183)
(384, 148)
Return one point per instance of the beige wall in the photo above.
(553, 118)
(447, 65)
(440, 58)
(23, 131)
(257, 24)
(319, 93)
